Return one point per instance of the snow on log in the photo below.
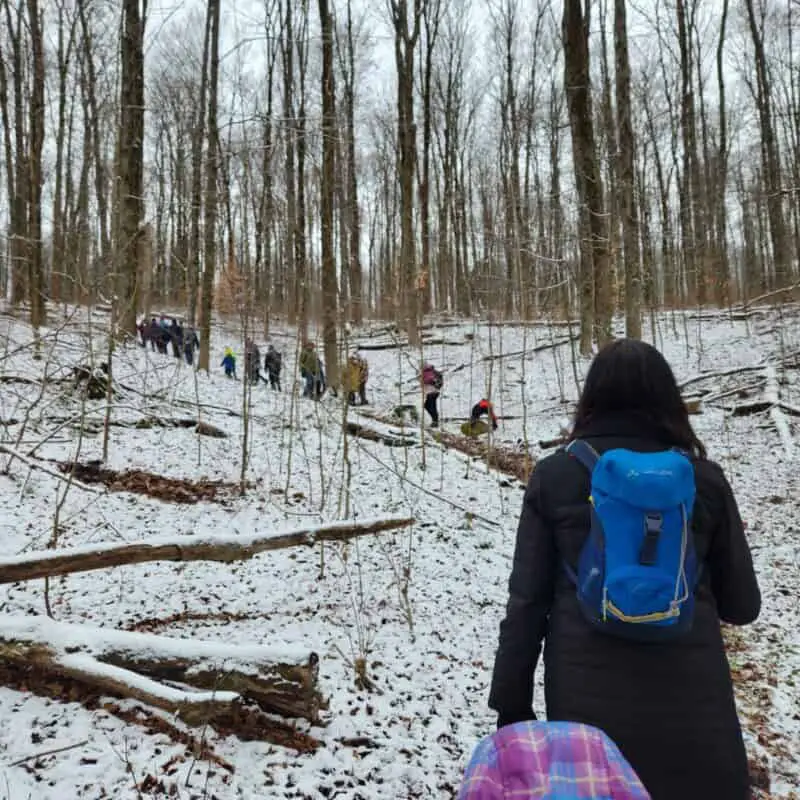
(693, 404)
(535, 349)
(789, 361)
(772, 394)
(389, 438)
(222, 547)
(280, 679)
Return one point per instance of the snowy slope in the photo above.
(429, 655)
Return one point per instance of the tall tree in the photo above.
(327, 190)
(94, 131)
(302, 271)
(36, 284)
(352, 212)
(692, 220)
(212, 192)
(594, 239)
(287, 43)
(17, 172)
(721, 176)
(130, 162)
(407, 23)
(431, 17)
(198, 137)
(626, 176)
(770, 158)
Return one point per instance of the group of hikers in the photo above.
(163, 334)
(312, 370)
(273, 364)
(355, 374)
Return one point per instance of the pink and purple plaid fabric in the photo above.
(555, 760)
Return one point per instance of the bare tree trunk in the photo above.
(694, 232)
(302, 269)
(58, 256)
(265, 223)
(198, 136)
(721, 176)
(36, 143)
(327, 190)
(130, 164)
(626, 177)
(353, 214)
(431, 16)
(289, 136)
(404, 47)
(212, 191)
(769, 154)
(575, 31)
(16, 163)
(100, 171)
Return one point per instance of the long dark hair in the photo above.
(631, 377)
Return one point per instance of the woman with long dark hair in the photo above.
(668, 704)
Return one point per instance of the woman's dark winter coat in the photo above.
(668, 706)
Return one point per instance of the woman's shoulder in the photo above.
(559, 466)
(710, 475)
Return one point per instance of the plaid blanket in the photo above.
(555, 760)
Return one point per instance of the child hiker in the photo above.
(229, 363)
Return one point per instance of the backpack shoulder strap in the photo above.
(583, 452)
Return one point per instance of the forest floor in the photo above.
(417, 610)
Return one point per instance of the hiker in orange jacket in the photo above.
(479, 409)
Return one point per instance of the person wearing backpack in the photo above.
(625, 573)
(273, 361)
(432, 383)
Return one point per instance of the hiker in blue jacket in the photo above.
(629, 612)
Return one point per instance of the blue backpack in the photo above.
(638, 570)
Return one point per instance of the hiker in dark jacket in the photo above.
(162, 337)
(668, 705)
(432, 381)
(190, 343)
(176, 338)
(273, 361)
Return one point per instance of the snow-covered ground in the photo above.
(429, 650)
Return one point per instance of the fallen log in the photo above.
(215, 677)
(517, 463)
(23, 380)
(536, 349)
(772, 392)
(548, 444)
(137, 481)
(771, 401)
(693, 404)
(790, 361)
(145, 423)
(223, 548)
(33, 463)
(371, 435)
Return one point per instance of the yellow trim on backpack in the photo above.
(656, 616)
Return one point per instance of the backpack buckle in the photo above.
(653, 525)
